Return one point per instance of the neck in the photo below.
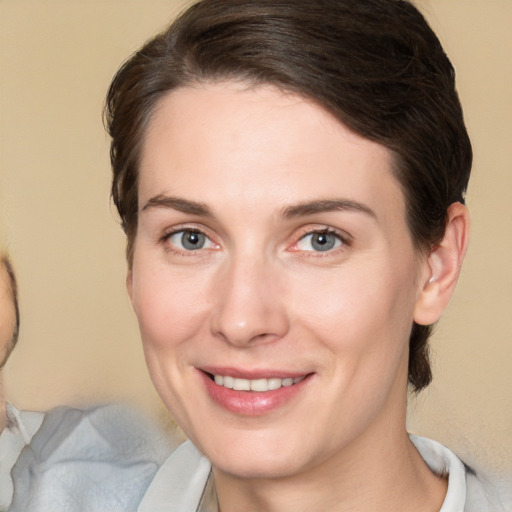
(392, 477)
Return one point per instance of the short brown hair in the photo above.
(376, 65)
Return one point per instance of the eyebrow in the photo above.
(298, 210)
(326, 205)
(179, 204)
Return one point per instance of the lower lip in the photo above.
(252, 403)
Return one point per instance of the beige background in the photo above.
(79, 341)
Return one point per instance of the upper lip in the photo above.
(252, 374)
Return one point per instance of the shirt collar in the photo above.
(443, 461)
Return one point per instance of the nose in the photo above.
(248, 306)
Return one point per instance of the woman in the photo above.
(291, 176)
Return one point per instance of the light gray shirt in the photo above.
(21, 427)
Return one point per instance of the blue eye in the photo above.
(319, 242)
(189, 240)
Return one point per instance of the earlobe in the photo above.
(444, 265)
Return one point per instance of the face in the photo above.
(7, 313)
(274, 279)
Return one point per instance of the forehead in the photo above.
(236, 139)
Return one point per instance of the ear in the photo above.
(443, 267)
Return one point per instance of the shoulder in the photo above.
(88, 459)
(469, 489)
(487, 492)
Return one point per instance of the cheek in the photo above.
(363, 311)
(168, 307)
(169, 316)
(353, 300)
(7, 323)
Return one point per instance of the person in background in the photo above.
(67, 458)
(16, 427)
(9, 313)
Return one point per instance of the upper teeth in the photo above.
(254, 384)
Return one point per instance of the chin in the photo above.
(253, 455)
(264, 466)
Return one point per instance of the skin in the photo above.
(258, 297)
(7, 325)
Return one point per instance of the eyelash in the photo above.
(344, 241)
(165, 240)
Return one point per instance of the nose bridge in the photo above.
(247, 308)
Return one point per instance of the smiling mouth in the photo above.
(258, 385)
